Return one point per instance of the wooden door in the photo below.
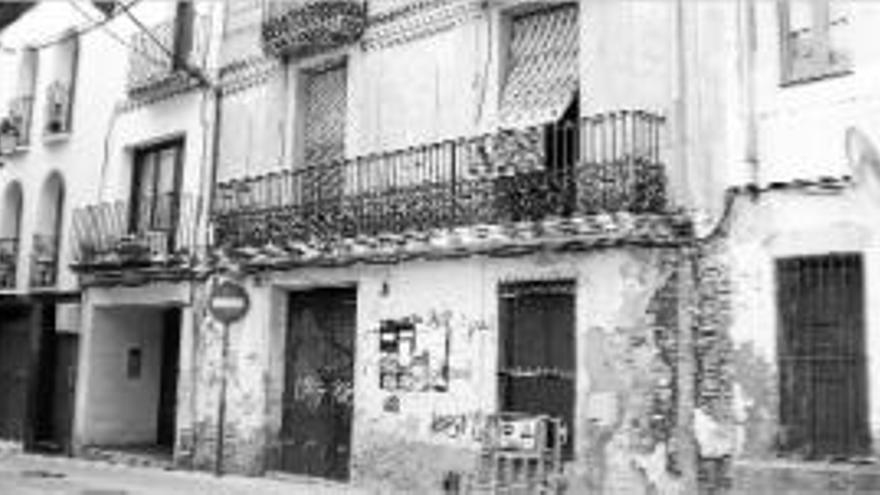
(537, 354)
(319, 372)
(64, 390)
(15, 354)
(167, 417)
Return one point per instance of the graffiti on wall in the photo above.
(469, 425)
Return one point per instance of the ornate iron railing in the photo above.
(8, 262)
(151, 66)
(59, 103)
(301, 28)
(148, 231)
(20, 118)
(604, 163)
(44, 260)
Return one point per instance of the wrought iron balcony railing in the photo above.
(149, 231)
(152, 67)
(604, 163)
(8, 262)
(44, 261)
(19, 119)
(300, 28)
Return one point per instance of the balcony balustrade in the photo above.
(8, 262)
(158, 59)
(147, 232)
(603, 163)
(301, 28)
(44, 261)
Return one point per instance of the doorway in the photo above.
(319, 373)
(537, 351)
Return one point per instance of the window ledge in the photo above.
(18, 150)
(56, 137)
(830, 73)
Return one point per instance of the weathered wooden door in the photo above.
(821, 346)
(64, 390)
(167, 414)
(317, 402)
(15, 354)
(537, 354)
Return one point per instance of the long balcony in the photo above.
(149, 233)
(151, 66)
(8, 262)
(599, 164)
(300, 28)
(44, 261)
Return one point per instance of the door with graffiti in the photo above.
(317, 402)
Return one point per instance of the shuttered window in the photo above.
(542, 67)
(324, 125)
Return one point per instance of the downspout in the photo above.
(751, 124)
(686, 359)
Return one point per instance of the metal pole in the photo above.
(221, 407)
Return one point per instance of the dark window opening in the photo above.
(821, 352)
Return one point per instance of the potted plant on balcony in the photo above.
(9, 136)
(132, 250)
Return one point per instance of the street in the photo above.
(23, 474)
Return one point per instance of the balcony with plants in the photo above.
(59, 103)
(152, 235)
(16, 126)
(580, 177)
(301, 28)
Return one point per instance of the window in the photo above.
(811, 39)
(155, 190)
(821, 350)
(541, 73)
(61, 84)
(21, 105)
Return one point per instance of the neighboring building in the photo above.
(139, 238)
(447, 210)
(52, 132)
(803, 251)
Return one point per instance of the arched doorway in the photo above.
(47, 232)
(10, 230)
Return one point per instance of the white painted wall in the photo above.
(93, 160)
(122, 410)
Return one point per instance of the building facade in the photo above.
(802, 251)
(454, 219)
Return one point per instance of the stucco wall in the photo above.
(121, 409)
(783, 224)
(624, 312)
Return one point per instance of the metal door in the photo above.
(822, 365)
(317, 402)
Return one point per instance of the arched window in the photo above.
(47, 233)
(10, 229)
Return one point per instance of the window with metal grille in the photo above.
(821, 352)
(811, 39)
(156, 187)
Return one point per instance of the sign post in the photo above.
(228, 303)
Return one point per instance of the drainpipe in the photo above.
(751, 120)
(686, 360)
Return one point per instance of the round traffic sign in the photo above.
(228, 302)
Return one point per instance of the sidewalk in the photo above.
(26, 474)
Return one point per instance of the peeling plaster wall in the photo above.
(625, 325)
(782, 224)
